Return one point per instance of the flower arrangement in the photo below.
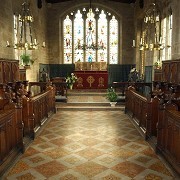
(71, 79)
(111, 95)
(133, 75)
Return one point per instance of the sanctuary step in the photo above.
(94, 100)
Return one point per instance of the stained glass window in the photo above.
(113, 41)
(169, 35)
(166, 37)
(78, 37)
(102, 37)
(163, 53)
(91, 36)
(67, 41)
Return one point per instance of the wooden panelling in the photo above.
(11, 128)
(136, 106)
(171, 71)
(9, 70)
(157, 75)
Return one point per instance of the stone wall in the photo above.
(164, 6)
(8, 8)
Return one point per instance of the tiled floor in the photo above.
(87, 145)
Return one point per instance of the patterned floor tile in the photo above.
(90, 169)
(89, 145)
(128, 168)
(50, 169)
(29, 174)
(90, 153)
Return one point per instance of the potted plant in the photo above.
(112, 96)
(26, 59)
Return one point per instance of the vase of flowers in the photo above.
(70, 80)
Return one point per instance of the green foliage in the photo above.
(71, 79)
(26, 59)
(111, 95)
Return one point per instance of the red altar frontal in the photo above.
(91, 79)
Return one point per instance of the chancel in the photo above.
(59, 59)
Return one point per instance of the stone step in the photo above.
(86, 94)
(90, 108)
(62, 104)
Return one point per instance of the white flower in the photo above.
(71, 79)
(133, 70)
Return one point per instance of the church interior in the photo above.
(90, 89)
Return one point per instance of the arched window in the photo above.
(67, 40)
(167, 36)
(90, 35)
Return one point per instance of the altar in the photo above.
(91, 75)
(91, 80)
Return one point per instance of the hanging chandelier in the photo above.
(151, 38)
(26, 39)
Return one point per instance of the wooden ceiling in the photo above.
(121, 1)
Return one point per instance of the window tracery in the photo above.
(90, 35)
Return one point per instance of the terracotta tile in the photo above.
(159, 167)
(69, 177)
(90, 169)
(89, 153)
(129, 169)
(50, 169)
(152, 177)
(18, 168)
(27, 176)
(57, 153)
(30, 151)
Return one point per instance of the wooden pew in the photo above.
(136, 106)
(39, 108)
(11, 128)
(168, 134)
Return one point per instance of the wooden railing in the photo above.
(136, 106)
(37, 109)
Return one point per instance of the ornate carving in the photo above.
(101, 82)
(90, 80)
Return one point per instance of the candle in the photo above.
(35, 41)
(134, 43)
(141, 41)
(7, 43)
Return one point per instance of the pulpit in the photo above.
(91, 80)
